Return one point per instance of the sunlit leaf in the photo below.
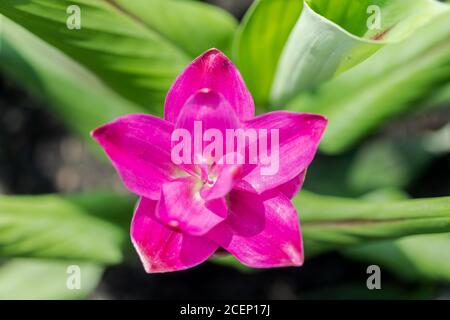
(332, 222)
(36, 279)
(73, 93)
(260, 41)
(417, 258)
(52, 226)
(335, 223)
(331, 36)
(390, 82)
(136, 47)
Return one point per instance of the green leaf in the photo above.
(260, 41)
(331, 36)
(74, 94)
(417, 258)
(335, 223)
(332, 223)
(136, 47)
(192, 26)
(52, 226)
(34, 279)
(390, 82)
(398, 19)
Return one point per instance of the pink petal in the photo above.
(211, 109)
(291, 188)
(299, 137)
(212, 70)
(206, 116)
(139, 148)
(261, 230)
(204, 113)
(182, 208)
(164, 250)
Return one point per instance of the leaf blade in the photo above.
(57, 227)
(73, 93)
(383, 86)
(35, 279)
(260, 41)
(141, 64)
(331, 222)
(325, 42)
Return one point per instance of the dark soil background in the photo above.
(38, 155)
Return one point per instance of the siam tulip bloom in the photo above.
(187, 211)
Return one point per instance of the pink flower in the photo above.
(187, 211)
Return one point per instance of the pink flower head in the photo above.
(189, 209)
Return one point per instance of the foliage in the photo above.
(317, 57)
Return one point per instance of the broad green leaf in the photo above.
(192, 26)
(36, 279)
(333, 223)
(386, 194)
(260, 41)
(58, 227)
(392, 81)
(136, 47)
(78, 98)
(417, 258)
(386, 20)
(331, 36)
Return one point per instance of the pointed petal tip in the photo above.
(151, 267)
(213, 53)
(213, 70)
(162, 250)
(261, 231)
(294, 258)
(138, 145)
(102, 130)
(214, 59)
(97, 132)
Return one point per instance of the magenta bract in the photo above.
(188, 210)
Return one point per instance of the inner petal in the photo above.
(203, 123)
(181, 207)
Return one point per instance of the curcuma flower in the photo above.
(199, 193)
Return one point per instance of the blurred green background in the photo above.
(383, 163)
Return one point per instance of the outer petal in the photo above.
(291, 188)
(164, 250)
(212, 70)
(299, 137)
(139, 148)
(261, 230)
(182, 208)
